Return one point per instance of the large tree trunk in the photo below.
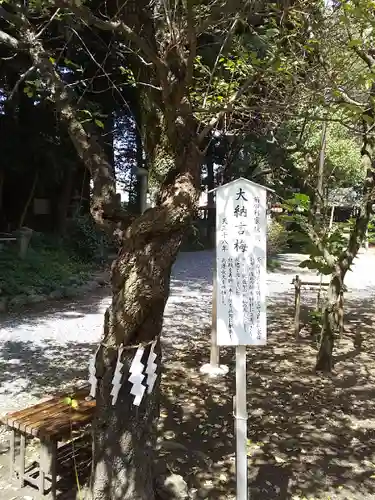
(124, 439)
(124, 434)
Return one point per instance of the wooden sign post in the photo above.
(214, 368)
(241, 273)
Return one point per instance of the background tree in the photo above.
(339, 90)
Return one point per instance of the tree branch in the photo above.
(20, 80)
(47, 23)
(220, 13)
(119, 27)
(8, 16)
(105, 208)
(365, 56)
(192, 37)
(225, 41)
(316, 240)
(207, 129)
(9, 40)
(369, 60)
(346, 98)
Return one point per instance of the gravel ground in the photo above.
(41, 351)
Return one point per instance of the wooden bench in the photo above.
(53, 423)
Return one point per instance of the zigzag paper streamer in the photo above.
(137, 376)
(92, 374)
(151, 368)
(117, 376)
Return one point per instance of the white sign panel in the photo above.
(241, 229)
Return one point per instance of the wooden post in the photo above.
(12, 453)
(53, 469)
(297, 304)
(22, 460)
(41, 482)
(47, 464)
(214, 368)
(25, 235)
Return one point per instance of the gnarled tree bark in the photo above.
(333, 308)
(124, 435)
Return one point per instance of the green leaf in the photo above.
(70, 63)
(352, 107)
(272, 32)
(368, 119)
(52, 60)
(28, 91)
(99, 123)
(354, 43)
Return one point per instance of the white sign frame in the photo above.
(241, 263)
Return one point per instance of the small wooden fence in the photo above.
(298, 284)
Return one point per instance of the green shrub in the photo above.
(277, 239)
(44, 270)
(85, 239)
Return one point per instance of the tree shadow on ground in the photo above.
(39, 314)
(309, 435)
(41, 371)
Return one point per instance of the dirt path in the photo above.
(309, 436)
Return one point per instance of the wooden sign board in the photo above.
(241, 267)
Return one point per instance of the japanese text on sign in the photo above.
(241, 263)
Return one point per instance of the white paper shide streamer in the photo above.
(151, 368)
(137, 376)
(92, 375)
(116, 381)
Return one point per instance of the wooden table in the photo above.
(52, 422)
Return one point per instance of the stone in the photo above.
(101, 281)
(25, 234)
(92, 284)
(17, 301)
(171, 487)
(36, 299)
(71, 292)
(89, 286)
(56, 295)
